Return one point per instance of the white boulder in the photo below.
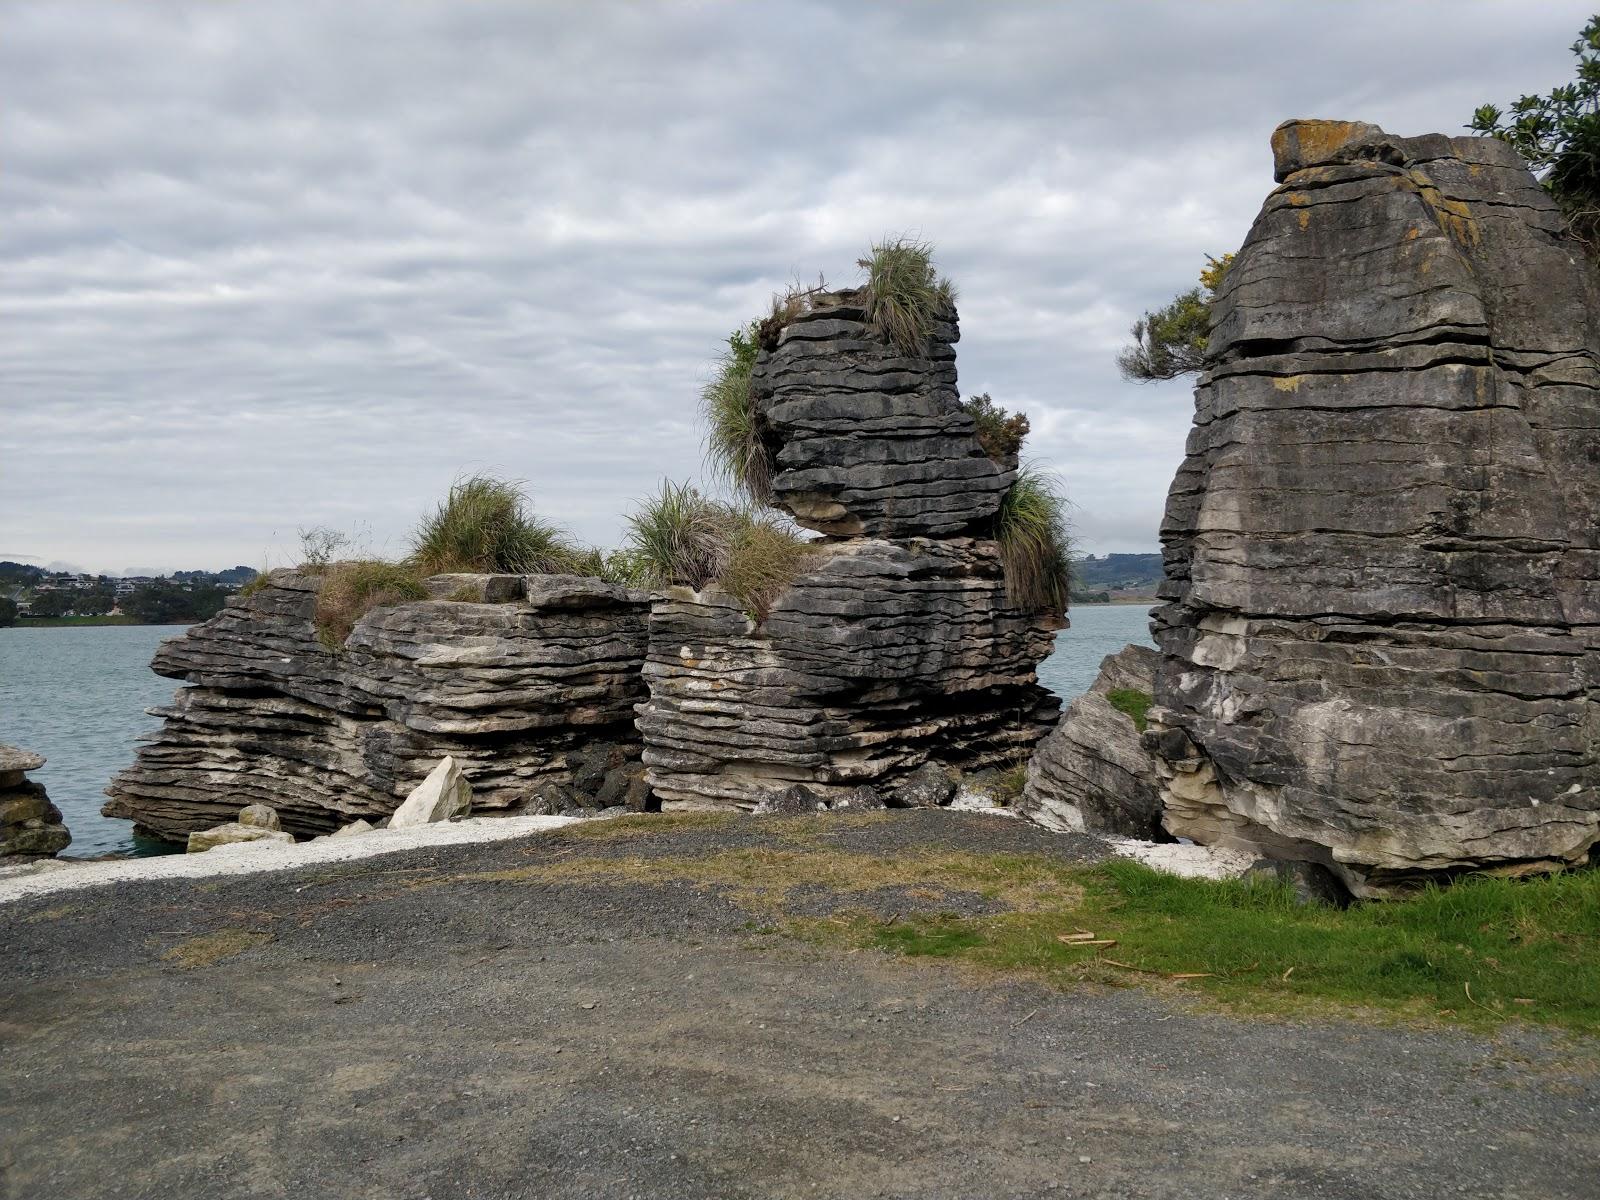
(445, 795)
(233, 832)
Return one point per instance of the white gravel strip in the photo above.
(1191, 862)
(247, 858)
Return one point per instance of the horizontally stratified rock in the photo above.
(30, 826)
(896, 645)
(509, 690)
(445, 795)
(1383, 548)
(1093, 773)
(871, 441)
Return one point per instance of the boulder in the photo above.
(860, 799)
(1093, 773)
(929, 786)
(1381, 632)
(30, 826)
(1312, 883)
(233, 833)
(445, 795)
(352, 829)
(262, 816)
(793, 801)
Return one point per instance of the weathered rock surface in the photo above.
(445, 795)
(510, 689)
(869, 441)
(1093, 773)
(262, 816)
(896, 646)
(30, 826)
(1383, 549)
(236, 833)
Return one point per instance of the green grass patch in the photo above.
(1479, 952)
(1134, 703)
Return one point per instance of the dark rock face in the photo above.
(518, 692)
(869, 441)
(30, 826)
(1093, 773)
(897, 645)
(1383, 549)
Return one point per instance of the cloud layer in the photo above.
(273, 266)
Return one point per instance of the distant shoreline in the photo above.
(69, 622)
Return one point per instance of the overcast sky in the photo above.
(274, 265)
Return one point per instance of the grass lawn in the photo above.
(1479, 952)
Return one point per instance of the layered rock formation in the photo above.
(896, 644)
(513, 690)
(30, 826)
(1383, 548)
(1093, 773)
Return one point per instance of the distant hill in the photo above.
(1140, 573)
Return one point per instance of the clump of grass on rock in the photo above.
(1031, 529)
(681, 537)
(350, 590)
(904, 294)
(486, 526)
(735, 445)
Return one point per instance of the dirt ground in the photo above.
(457, 1023)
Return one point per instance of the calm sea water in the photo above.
(78, 696)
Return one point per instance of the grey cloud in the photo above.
(269, 266)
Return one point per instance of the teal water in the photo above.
(78, 696)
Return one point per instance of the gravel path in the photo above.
(425, 1025)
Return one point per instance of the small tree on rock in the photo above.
(1172, 341)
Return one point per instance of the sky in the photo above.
(272, 266)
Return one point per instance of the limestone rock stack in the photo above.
(514, 690)
(1381, 635)
(897, 644)
(30, 826)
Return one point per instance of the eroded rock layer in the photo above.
(1382, 550)
(30, 826)
(870, 441)
(514, 690)
(896, 645)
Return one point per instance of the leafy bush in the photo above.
(484, 526)
(999, 433)
(1175, 339)
(904, 294)
(350, 590)
(1031, 528)
(735, 444)
(1559, 136)
(681, 537)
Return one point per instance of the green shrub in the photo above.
(904, 294)
(1134, 703)
(1031, 528)
(735, 446)
(764, 557)
(682, 537)
(485, 527)
(999, 433)
(350, 590)
(677, 537)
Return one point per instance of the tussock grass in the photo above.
(486, 526)
(904, 294)
(680, 537)
(736, 447)
(1035, 548)
(350, 590)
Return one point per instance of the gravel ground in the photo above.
(394, 1027)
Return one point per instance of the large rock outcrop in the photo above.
(896, 644)
(1383, 548)
(1093, 773)
(30, 826)
(515, 691)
